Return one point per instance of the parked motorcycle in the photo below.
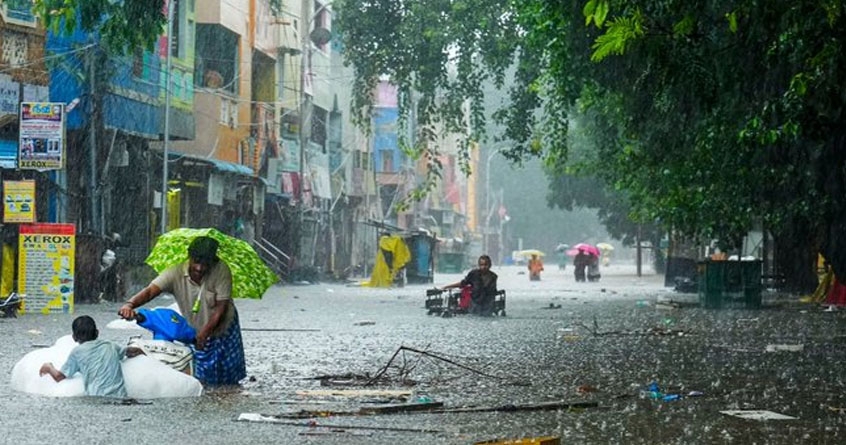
(10, 306)
(111, 278)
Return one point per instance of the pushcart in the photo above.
(447, 303)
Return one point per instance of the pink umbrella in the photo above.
(589, 249)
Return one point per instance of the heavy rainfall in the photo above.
(430, 221)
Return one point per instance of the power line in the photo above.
(46, 58)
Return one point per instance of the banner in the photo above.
(46, 267)
(42, 131)
(18, 202)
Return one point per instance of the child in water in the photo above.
(97, 360)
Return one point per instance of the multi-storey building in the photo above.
(23, 78)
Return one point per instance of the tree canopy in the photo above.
(123, 26)
(707, 116)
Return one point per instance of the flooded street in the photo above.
(606, 343)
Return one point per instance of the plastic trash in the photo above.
(653, 391)
(785, 348)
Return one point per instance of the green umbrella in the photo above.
(250, 276)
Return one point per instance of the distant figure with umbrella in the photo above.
(605, 249)
(561, 252)
(580, 263)
(202, 287)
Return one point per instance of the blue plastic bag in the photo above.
(166, 324)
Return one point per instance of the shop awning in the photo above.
(221, 166)
(231, 167)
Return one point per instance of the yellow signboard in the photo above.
(46, 267)
(18, 201)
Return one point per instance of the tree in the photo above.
(747, 91)
(124, 26)
(719, 114)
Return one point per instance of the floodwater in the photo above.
(606, 343)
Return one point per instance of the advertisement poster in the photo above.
(18, 202)
(46, 267)
(41, 145)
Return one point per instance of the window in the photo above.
(387, 160)
(216, 58)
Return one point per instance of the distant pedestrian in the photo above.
(593, 269)
(580, 263)
(535, 268)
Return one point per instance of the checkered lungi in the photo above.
(222, 361)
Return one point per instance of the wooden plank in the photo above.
(402, 408)
(368, 411)
(353, 393)
(542, 406)
(269, 418)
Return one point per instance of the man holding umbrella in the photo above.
(202, 287)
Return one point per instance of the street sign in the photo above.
(18, 202)
(42, 130)
(46, 267)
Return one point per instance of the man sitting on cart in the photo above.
(482, 284)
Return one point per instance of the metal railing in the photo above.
(276, 259)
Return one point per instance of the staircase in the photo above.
(278, 261)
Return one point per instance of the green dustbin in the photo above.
(450, 263)
(730, 284)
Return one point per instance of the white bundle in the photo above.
(144, 377)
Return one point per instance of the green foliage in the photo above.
(595, 11)
(123, 26)
(619, 35)
(441, 50)
(704, 116)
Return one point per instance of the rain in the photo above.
(424, 221)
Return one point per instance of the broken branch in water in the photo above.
(651, 331)
(385, 368)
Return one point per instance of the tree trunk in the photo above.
(835, 247)
(796, 257)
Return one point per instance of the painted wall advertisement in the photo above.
(42, 130)
(18, 202)
(46, 267)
